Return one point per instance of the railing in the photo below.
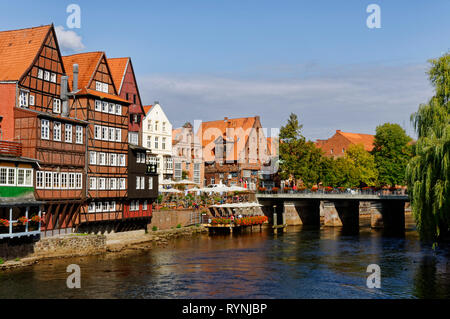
(340, 191)
(17, 228)
(11, 148)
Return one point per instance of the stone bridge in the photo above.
(335, 209)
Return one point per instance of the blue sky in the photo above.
(210, 59)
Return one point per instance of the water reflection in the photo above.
(302, 263)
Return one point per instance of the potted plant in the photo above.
(275, 190)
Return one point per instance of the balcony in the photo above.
(11, 148)
(18, 222)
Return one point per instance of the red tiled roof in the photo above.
(87, 63)
(103, 95)
(118, 67)
(18, 49)
(147, 108)
(366, 140)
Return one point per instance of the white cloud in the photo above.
(351, 98)
(68, 40)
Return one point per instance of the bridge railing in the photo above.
(393, 191)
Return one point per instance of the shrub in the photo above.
(2, 261)
(154, 228)
(179, 226)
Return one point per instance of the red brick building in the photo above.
(31, 71)
(338, 144)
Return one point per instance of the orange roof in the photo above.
(118, 67)
(18, 50)
(87, 63)
(103, 95)
(366, 140)
(215, 129)
(147, 108)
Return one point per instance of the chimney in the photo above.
(64, 96)
(75, 78)
(156, 102)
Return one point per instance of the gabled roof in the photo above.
(366, 140)
(147, 108)
(18, 50)
(87, 64)
(118, 67)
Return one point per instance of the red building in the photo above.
(338, 144)
(34, 115)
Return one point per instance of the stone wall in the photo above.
(167, 219)
(73, 244)
(17, 247)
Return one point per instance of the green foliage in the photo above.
(428, 173)
(298, 158)
(392, 153)
(2, 261)
(364, 165)
(179, 226)
(154, 228)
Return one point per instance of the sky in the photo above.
(206, 60)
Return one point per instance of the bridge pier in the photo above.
(308, 212)
(389, 215)
(344, 213)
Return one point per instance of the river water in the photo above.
(302, 263)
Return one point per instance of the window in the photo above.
(178, 171)
(79, 181)
(48, 180)
(98, 105)
(132, 205)
(40, 74)
(122, 183)
(24, 177)
(64, 180)
(113, 159)
(105, 107)
(79, 135)
(56, 180)
(91, 208)
(104, 133)
(45, 129)
(102, 159)
(53, 77)
(163, 143)
(98, 86)
(3, 176)
(113, 206)
(68, 133)
(197, 173)
(97, 132)
(118, 109)
(111, 109)
(122, 160)
(99, 207)
(212, 180)
(118, 135)
(150, 183)
(156, 126)
(144, 205)
(11, 176)
(93, 183)
(105, 88)
(106, 207)
(138, 182)
(133, 138)
(31, 99)
(46, 76)
(23, 99)
(164, 127)
(134, 98)
(93, 158)
(149, 125)
(56, 106)
(156, 142)
(112, 183)
(168, 163)
(102, 183)
(72, 180)
(57, 131)
(111, 134)
(39, 179)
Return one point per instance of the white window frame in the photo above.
(40, 180)
(45, 129)
(79, 181)
(92, 183)
(92, 158)
(72, 181)
(118, 109)
(105, 133)
(79, 134)
(23, 98)
(32, 100)
(46, 76)
(64, 180)
(122, 160)
(56, 106)
(40, 74)
(57, 131)
(48, 180)
(97, 132)
(53, 77)
(68, 133)
(98, 105)
(56, 184)
(111, 108)
(118, 135)
(105, 107)
(98, 86)
(105, 88)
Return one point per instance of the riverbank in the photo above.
(80, 245)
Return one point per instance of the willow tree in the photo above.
(428, 173)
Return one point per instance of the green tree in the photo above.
(392, 153)
(341, 173)
(364, 163)
(428, 173)
(299, 158)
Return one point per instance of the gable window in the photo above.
(46, 76)
(56, 106)
(79, 135)
(164, 126)
(40, 74)
(53, 77)
(31, 99)
(98, 86)
(23, 99)
(57, 131)
(68, 133)
(156, 126)
(105, 88)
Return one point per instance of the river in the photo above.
(302, 263)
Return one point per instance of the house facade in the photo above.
(234, 151)
(187, 155)
(31, 73)
(157, 137)
(338, 144)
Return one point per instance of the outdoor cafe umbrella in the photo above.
(184, 182)
(167, 182)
